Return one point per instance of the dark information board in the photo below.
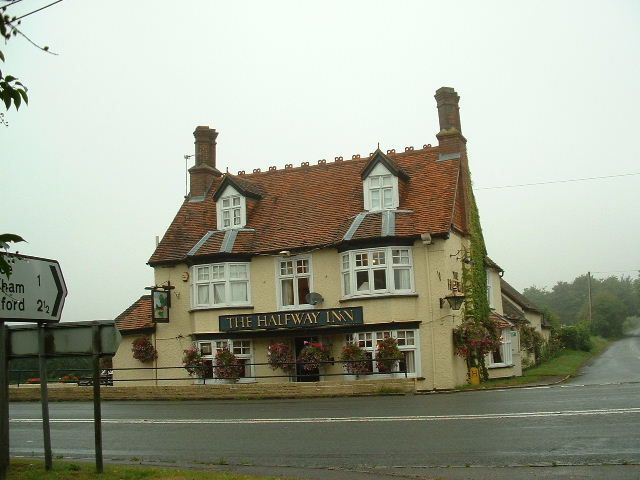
(298, 319)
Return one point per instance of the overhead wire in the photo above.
(549, 182)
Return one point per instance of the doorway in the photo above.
(303, 375)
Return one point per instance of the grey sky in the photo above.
(93, 168)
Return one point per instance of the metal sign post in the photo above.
(97, 411)
(4, 402)
(44, 397)
(95, 339)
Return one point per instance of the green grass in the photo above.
(22, 469)
(566, 363)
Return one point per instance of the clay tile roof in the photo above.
(245, 187)
(390, 163)
(517, 297)
(499, 321)
(136, 317)
(314, 206)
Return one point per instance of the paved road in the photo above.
(473, 434)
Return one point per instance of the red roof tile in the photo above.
(314, 206)
(137, 316)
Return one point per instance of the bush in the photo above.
(531, 341)
(575, 337)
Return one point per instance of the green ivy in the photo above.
(474, 279)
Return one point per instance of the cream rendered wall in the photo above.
(434, 264)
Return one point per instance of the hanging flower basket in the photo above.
(227, 366)
(387, 354)
(143, 349)
(192, 361)
(472, 341)
(313, 355)
(355, 359)
(279, 355)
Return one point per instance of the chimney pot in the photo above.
(448, 110)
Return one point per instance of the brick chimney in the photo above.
(201, 175)
(450, 136)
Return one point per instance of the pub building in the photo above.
(345, 251)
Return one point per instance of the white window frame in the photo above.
(490, 288)
(408, 343)
(298, 303)
(370, 184)
(506, 350)
(238, 347)
(229, 195)
(353, 261)
(213, 278)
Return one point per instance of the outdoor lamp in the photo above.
(455, 299)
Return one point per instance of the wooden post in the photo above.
(590, 303)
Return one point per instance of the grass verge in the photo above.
(566, 363)
(27, 469)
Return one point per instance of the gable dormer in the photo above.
(231, 202)
(380, 183)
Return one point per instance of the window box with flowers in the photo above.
(143, 350)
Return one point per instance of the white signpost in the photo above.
(34, 292)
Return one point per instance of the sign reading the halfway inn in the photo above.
(295, 319)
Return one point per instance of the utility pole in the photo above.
(590, 303)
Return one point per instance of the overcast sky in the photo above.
(93, 168)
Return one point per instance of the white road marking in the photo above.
(402, 418)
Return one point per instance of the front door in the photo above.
(303, 375)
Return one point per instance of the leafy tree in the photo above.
(5, 239)
(608, 315)
(12, 92)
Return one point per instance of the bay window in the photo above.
(220, 285)
(407, 343)
(502, 356)
(242, 349)
(377, 271)
(294, 281)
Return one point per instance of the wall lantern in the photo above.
(455, 299)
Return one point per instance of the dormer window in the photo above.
(380, 183)
(231, 212)
(380, 189)
(231, 209)
(381, 192)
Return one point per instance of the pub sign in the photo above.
(298, 319)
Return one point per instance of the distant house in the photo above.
(349, 251)
(505, 361)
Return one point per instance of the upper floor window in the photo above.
(489, 288)
(294, 281)
(381, 192)
(380, 270)
(231, 209)
(220, 285)
(380, 189)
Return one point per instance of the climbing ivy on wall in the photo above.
(476, 309)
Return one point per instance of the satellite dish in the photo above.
(314, 298)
